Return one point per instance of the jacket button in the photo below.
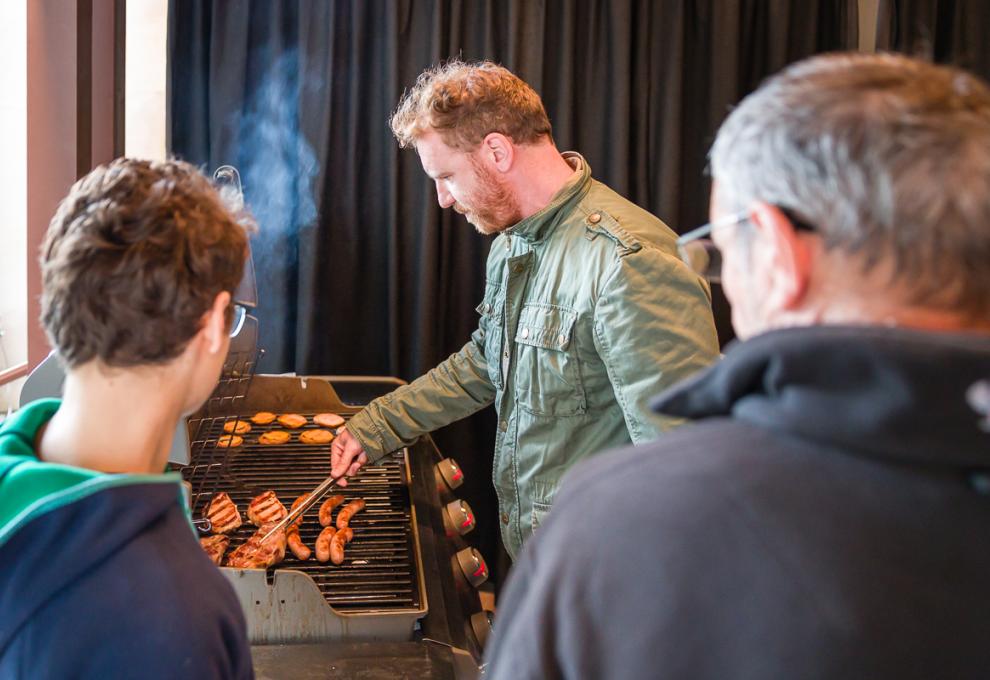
(504, 518)
(561, 340)
(488, 308)
(594, 218)
(505, 354)
(503, 425)
(525, 333)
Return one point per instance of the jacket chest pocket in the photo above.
(492, 327)
(548, 375)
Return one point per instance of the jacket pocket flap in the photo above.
(546, 326)
(490, 306)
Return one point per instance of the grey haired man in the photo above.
(826, 514)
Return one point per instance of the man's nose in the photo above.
(443, 197)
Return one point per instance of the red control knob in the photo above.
(458, 517)
(451, 473)
(473, 566)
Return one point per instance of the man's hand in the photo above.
(346, 456)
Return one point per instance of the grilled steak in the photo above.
(257, 555)
(215, 547)
(265, 508)
(223, 514)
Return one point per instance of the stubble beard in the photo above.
(494, 208)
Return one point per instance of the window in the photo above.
(13, 202)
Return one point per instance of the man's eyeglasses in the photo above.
(700, 253)
(240, 313)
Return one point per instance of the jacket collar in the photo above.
(891, 393)
(538, 225)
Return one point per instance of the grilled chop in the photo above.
(223, 514)
(266, 508)
(255, 554)
(215, 547)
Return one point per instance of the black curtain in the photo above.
(360, 271)
(945, 31)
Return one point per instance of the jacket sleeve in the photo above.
(653, 327)
(455, 389)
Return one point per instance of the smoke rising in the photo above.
(278, 167)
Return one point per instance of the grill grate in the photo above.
(379, 572)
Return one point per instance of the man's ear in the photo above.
(214, 325)
(498, 150)
(785, 253)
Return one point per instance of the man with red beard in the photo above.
(588, 311)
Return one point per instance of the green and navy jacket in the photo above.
(101, 575)
(588, 312)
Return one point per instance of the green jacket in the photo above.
(588, 312)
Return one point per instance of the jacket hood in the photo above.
(894, 393)
(58, 522)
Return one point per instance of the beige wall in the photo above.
(868, 25)
(13, 194)
(144, 100)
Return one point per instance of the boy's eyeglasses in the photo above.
(240, 313)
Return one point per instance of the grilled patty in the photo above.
(292, 420)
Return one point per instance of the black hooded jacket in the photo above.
(826, 516)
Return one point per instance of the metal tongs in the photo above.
(314, 497)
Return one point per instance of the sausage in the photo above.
(298, 548)
(292, 537)
(323, 544)
(341, 538)
(326, 510)
(297, 522)
(345, 515)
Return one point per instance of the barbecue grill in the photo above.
(378, 592)
(408, 576)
